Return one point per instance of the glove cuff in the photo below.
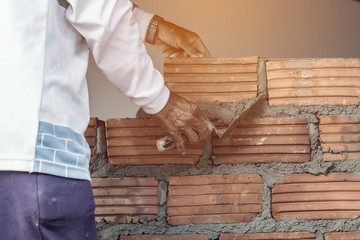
(153, 26)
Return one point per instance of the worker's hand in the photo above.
(175, 41)
(181, 117)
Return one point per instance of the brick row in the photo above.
(125, 200)
(212, 79)
(269, 236)
(340, 137)
(214, 198)
(342, 236)
(251, 236)
(305, 196)
(133, 142)
(313, 82)
(269, 139)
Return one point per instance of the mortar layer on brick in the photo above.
(340, 137)
(269, 236)
(133, 142)
(260, 140)
(314, 82)
(164, 237)
(214, 198)
(342, 236)
(306, 196)
(125, 200)
(90, 134)
(212, 79)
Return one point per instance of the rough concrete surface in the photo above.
(270, 172)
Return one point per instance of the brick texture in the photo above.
(314, 82)
(306, 196)
(340, 137)
(90, 133)
(214, 198)
(212, 79)
(269, 236)
(342, 236)
(164, 237)
(125, 200)
(259, 140)
(133, 141)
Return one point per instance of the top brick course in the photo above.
(212, 79)
(314, 82)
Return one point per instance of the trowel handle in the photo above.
(165, 143)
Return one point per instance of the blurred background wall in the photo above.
(238, 28)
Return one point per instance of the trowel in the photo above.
(168, 142)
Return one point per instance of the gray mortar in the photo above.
(270, 173)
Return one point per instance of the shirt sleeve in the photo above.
(114, 37)
(143, 19)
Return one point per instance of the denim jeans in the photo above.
(39, 206)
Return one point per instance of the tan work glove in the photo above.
(175, 41)
(181, 117)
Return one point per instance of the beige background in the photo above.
(238, 28)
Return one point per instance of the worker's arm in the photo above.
(113, 36)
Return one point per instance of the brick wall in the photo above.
(291, 170)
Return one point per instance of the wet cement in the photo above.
(270, 172)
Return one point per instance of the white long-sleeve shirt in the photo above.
(43, 91)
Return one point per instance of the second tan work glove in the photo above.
(175, 41)
(181, 117)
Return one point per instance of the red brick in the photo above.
(259, 140)
(214, 198)
(340, 137)
(90, 133)
(342, 236)
(212, 79)
(269, 236)
(164, 237)
(314, 82)
(133, 141)
(125, 200)
(306, 196)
